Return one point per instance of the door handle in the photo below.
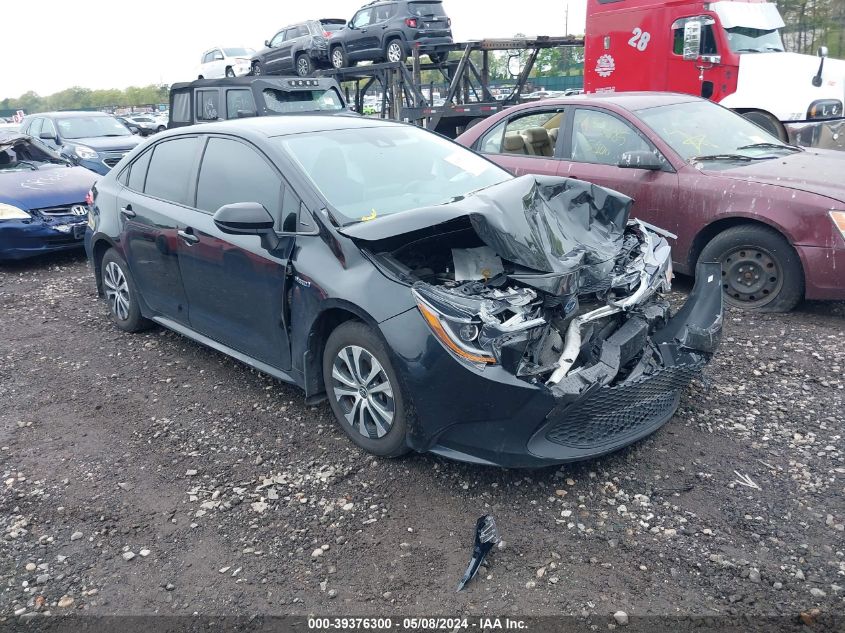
(189, 238)
(127, 211)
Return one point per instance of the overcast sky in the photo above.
(107, 44)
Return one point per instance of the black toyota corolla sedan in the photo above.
(439, 303)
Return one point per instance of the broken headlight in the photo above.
(11, 212)
(458, 334)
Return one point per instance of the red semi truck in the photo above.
(729, 51)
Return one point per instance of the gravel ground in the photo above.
(147, 474)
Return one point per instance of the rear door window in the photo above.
(208, 105)
(138, 171)
(170, 170)
(239, 101)
(35, 127)
(254, 180)
(181, 110)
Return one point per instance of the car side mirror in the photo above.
(267, 43)
(640, 159)
(822, 51)
(243, 114)
(247, 218)
(47, 136)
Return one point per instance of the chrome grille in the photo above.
(66, 209)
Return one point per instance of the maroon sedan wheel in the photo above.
(760, 269)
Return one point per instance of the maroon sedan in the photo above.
(771, 213)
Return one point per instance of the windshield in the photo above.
(366, 173)
(743, 39)
(701, 128)
(287, 101)
(238, 52)
(88, 126)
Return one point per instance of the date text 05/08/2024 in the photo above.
(414, 624)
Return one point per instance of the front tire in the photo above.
(760, 269)
(257, 70)
(121, 293)
(229, 72)
(768, 123)
(364, 391)
(304, 66)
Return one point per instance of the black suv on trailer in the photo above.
(298, 48)
(208, 100)
(386, 31)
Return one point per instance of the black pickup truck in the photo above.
(207, 100)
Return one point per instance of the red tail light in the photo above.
(89, 197)
(412, 22)
(327, 34)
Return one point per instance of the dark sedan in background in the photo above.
(772, 214)
(43, 199)
(94, 140)
(437, 302)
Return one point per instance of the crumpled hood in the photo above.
(107, 143)
(46, 187)
(816, 171)
(547, 223)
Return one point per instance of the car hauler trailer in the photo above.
(729, 51)
(468, 97)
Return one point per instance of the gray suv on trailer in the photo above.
(387, 30)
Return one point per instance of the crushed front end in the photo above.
(546, 283)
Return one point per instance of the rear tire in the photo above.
(338, 58)
(760, 269)
(304, 65)
(438, 58)
(768, 123)
(364, 391)
(121, 293)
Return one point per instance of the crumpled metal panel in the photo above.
(546, 223)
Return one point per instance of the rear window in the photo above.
(208, 105)
(425, 9)
(333, 26)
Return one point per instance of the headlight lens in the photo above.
(11, 212)
(458, 336)
(838, 218)
(825, 109)
(85, 152)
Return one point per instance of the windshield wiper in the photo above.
(726, 157)
(749, 50)
(33, 166)
(114, 134)
(791, 148)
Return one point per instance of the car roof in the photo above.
(70, 114)
(269, 126)
(628, 100)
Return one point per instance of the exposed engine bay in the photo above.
(567, 293)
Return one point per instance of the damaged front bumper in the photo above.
(20, 239)
(541, 314)
(486, 415)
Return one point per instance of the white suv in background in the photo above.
(225, 62)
